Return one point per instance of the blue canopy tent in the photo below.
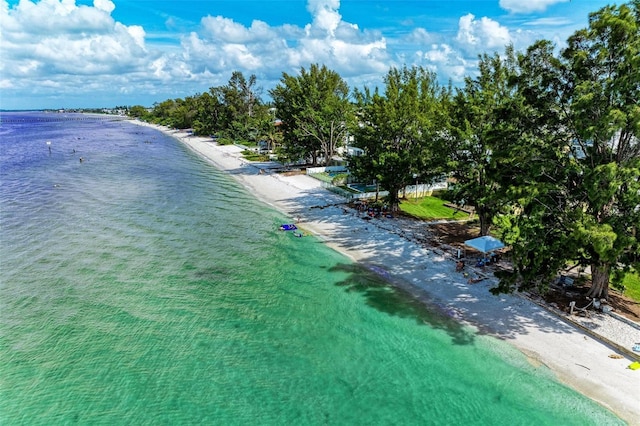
(485, 244)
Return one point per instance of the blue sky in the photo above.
(103, 53)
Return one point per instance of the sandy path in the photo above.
(577, 359)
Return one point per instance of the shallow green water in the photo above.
(142, 286)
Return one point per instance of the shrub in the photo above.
(340, 180)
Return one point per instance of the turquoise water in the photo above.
(143, 286)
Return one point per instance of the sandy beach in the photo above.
(428, 273)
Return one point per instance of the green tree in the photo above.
(586, 208)
(209, 111)
(162, 111)
(315, 111)
(480, 136)
(536, 166)
(604, 61)
(184, 112)
(395, 130)
(177, 113)
(241, 100)
(269, 129)
(138, 111)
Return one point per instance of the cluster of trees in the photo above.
(308, 118)
(234, 111)
(545, 145)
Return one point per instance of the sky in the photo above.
(106, 53)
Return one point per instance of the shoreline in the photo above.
(576, 358)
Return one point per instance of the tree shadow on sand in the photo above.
(381, 295)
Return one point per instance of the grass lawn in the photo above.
(631, 284)
(254, 156)
(324, 177)
(430, 208)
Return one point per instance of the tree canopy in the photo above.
(584, 209)
(315, 110)
(479, 137)
(395, 130)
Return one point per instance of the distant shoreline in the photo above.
(577, 359)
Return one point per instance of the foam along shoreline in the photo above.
(577, 359)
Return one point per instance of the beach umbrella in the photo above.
(485, 244)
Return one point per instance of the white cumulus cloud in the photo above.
(444, 59)
(483, 32)
(106, 5)
(57, 37)
(223, 29)
(55, 48)
(223, 44)
(325, 15)
(456, 58)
